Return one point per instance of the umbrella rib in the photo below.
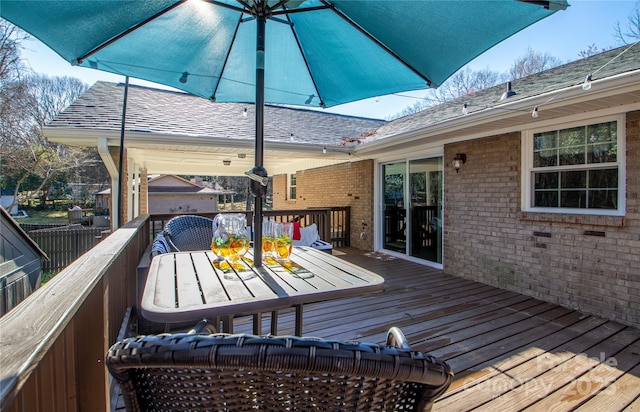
(306, 62)
(376, 41)
(226, 59)
(80, 59)
(303, 10)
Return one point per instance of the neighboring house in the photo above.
(173, 194)
(545, 202)
(20, 263)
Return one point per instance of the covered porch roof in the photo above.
(176, 133)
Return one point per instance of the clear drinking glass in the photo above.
(268, 237)
(283, 233)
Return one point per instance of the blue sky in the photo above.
(563, 35)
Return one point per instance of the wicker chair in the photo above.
(222, 372)
(189, 232)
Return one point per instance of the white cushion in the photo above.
(308, 235)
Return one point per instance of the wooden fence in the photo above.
(65, 244)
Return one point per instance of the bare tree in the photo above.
(530, 63)
(591, 50)
(631, 32)
(463, 82)
(418, 106)
(28, 159)
(10, 64)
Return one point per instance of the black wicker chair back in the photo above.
(189, 232)
(221, 372)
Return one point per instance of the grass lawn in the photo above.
(45, 216)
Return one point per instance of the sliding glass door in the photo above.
(412, 208)
(395, 217)
(425, 209)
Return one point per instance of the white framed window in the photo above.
(292, 186)
(575, 168)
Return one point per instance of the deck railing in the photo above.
(52, 344)
(333, 222)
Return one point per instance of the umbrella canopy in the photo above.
(311, 52)
(317, 53)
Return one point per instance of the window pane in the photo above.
(572, 137)
(572, 146)
(546, 180)
(545, 158)
(603, 132)
(603, 199)
(603, 179)
(546, 199)
(572, 155)
(574, 199)
(602, 143)
(574, 179)
(548, 140)
(601, 153)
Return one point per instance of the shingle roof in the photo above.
(169, 112)
(606, 64)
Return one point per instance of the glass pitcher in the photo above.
(230, 237)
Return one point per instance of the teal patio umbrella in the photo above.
(318, 53)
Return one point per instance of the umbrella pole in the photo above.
(259, 156)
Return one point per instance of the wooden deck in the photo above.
(509, 352)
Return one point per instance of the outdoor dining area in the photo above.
(225, 322)
(505, 351)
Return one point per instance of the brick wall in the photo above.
(589, 263)
(144, 192)
(346, 184)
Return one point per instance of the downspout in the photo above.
(121, 178)
(107, 160)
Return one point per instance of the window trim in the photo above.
(291, 186)
(527, 167)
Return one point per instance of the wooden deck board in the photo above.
(509, 351)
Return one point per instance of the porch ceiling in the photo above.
(208, 160)
(185, 155)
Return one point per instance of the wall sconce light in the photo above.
(226, 162)
(458, 161)
(242, 155)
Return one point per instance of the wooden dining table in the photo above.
(190, 286)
